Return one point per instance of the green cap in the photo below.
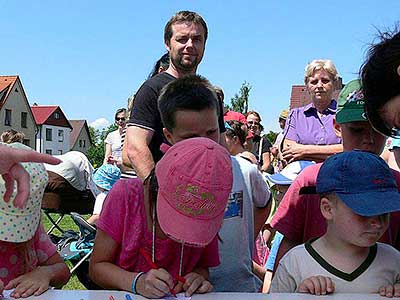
(350, 106)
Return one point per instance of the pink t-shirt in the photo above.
(11, 260)
(123, 218)
(299, 217)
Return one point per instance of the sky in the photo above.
(88, 57)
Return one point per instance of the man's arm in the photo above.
(137, 150)
(266, 156)
(293, 151)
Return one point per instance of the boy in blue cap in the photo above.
(357, 191)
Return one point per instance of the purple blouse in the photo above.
(305, 127)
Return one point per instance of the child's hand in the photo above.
(155, 284)
(317, 285)
(1, 287)
(32, 283)
(195, 283)
(390, 290)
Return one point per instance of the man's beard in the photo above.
(177, 61)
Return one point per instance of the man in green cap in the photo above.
(298, 216)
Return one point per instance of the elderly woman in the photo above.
(380, 77)
(113, 152)
(309, 132)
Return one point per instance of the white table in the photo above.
(118, 295)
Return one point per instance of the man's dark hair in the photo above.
(380, 78)
(163, 62)
(119, 110)
(190, 92)
(183, 17)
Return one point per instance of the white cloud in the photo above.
(100, 123)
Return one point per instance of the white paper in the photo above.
(180, 296)
(6, 294)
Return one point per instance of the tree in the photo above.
(97, 151)
(240, 102)
(271, 136)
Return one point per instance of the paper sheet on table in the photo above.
(6, 295)
(180, 296)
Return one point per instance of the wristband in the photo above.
(134, 282)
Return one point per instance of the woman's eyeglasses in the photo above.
(253, 123)
(120, 119)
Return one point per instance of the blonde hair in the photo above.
(321, 64)
(12, 136)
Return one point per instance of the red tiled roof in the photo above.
(6, 82)
(42, 113)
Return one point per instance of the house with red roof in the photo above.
(15, 112)
(79, 138)
(54, 129)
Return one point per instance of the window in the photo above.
(7, 120)
(84, 143)
(56, 116)
(59, 152)
(24, 117)
(48, 151)
(27, 142)
(60, 136)
(49, 134)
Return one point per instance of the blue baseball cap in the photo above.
(106, 176)
(362, 180)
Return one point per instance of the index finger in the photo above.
(33, 156)
(163, 275)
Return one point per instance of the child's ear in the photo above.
(327, 209)
(337, 128)
(168, 135)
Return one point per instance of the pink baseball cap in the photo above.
(194, 181)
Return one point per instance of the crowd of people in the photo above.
(193, 198)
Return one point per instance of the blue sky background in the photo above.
(89, 56)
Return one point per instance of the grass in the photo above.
(66, 223)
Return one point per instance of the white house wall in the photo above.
(16, 103)
(55, 145)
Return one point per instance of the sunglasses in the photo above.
(120, 119)
(253, 123)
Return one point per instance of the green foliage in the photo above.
(97, 151)
(271, 136)
(240, 102)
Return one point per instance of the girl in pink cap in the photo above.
(162, 238)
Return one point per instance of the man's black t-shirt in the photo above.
(145, 112)
(265, 147)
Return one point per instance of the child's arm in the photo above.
(390, 290)
(317, 285)
(102, 270)
(54, 272)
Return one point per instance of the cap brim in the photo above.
(25, 229)
(196, 232)
(372, 203)
(351, 115)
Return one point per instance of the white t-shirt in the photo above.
(114, 139)
(249, 190)
(380, 268)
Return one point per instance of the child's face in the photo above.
(189, 124)
(355, 229)
(360, 135)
